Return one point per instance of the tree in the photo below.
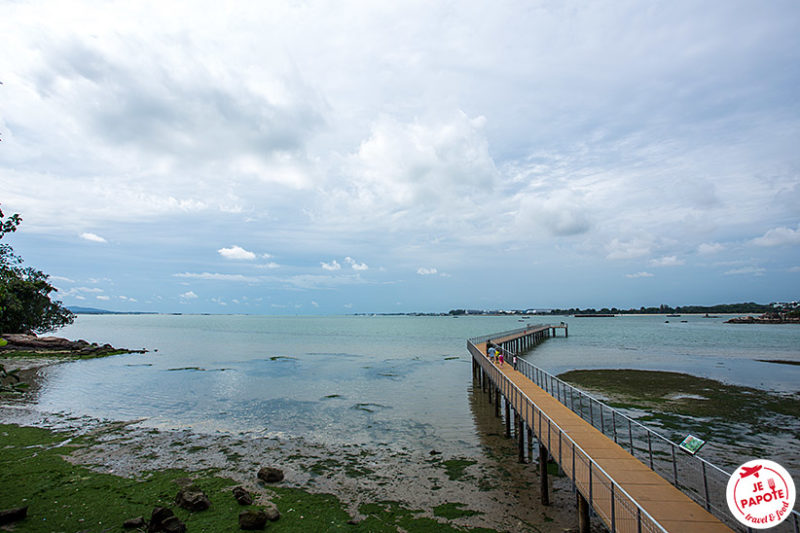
(25, 303)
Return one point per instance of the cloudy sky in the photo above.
(319, 157)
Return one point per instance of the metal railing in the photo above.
(618, 509)
(699, 479)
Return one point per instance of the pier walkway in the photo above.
(624, 493)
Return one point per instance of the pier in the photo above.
(632, 478)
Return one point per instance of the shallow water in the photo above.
(383, 380)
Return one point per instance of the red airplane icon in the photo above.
(748, 471)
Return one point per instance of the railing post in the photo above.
(630, 436)
(613, 509)
(638, 519)
(705, 485)
(602, 421)
(650, 448)
(614, 424)
(674, 465)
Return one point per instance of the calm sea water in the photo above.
(395, 381)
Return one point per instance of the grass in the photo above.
(63, 497)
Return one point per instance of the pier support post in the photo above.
(543, 485)
(530, 444)
(497, 403)
(584, 525)
(521, 439)
(508, 420)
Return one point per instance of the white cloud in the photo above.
(270, 265)
(74, 291)
(422, 271)
(103, 297)
(640, 275)
(217, 276)
(188, 295)
(92, 237)
(237, 253)
(627, 249)
(62, 279)
(667, 261)
(794, 269)
(755, 271)
(315, 304)
(333, 265)
(781, 236)
(710, 248)
(355, 265)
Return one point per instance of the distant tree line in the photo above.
(738, 308)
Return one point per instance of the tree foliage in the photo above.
(25, 303)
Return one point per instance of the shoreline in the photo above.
(491, 491)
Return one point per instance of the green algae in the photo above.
(66, 497)
(679, 401)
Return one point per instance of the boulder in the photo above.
(164, 521)
(242, 496)
(271, 511)
(173, 525)
(192, 499)
(157, 519)
(252, 519)
(13, 515)
(270, 474)
(134, 523)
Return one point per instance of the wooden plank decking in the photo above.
(667, 505)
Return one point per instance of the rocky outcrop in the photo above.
(766, 318)
(24, 342)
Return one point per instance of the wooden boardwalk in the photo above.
(624, 493)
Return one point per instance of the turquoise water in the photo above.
(383, 380)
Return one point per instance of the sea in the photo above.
(391, 381)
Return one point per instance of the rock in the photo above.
(192, 499)
(252, 519)
(173, 525)
(434, 452)
(157, 519)
(270, 474)
(271, 511)
(242, 496)
(133, 523)
(13, 515)
(163, 521)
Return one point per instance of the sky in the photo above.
(315, 157)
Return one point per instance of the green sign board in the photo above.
(691, 444)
